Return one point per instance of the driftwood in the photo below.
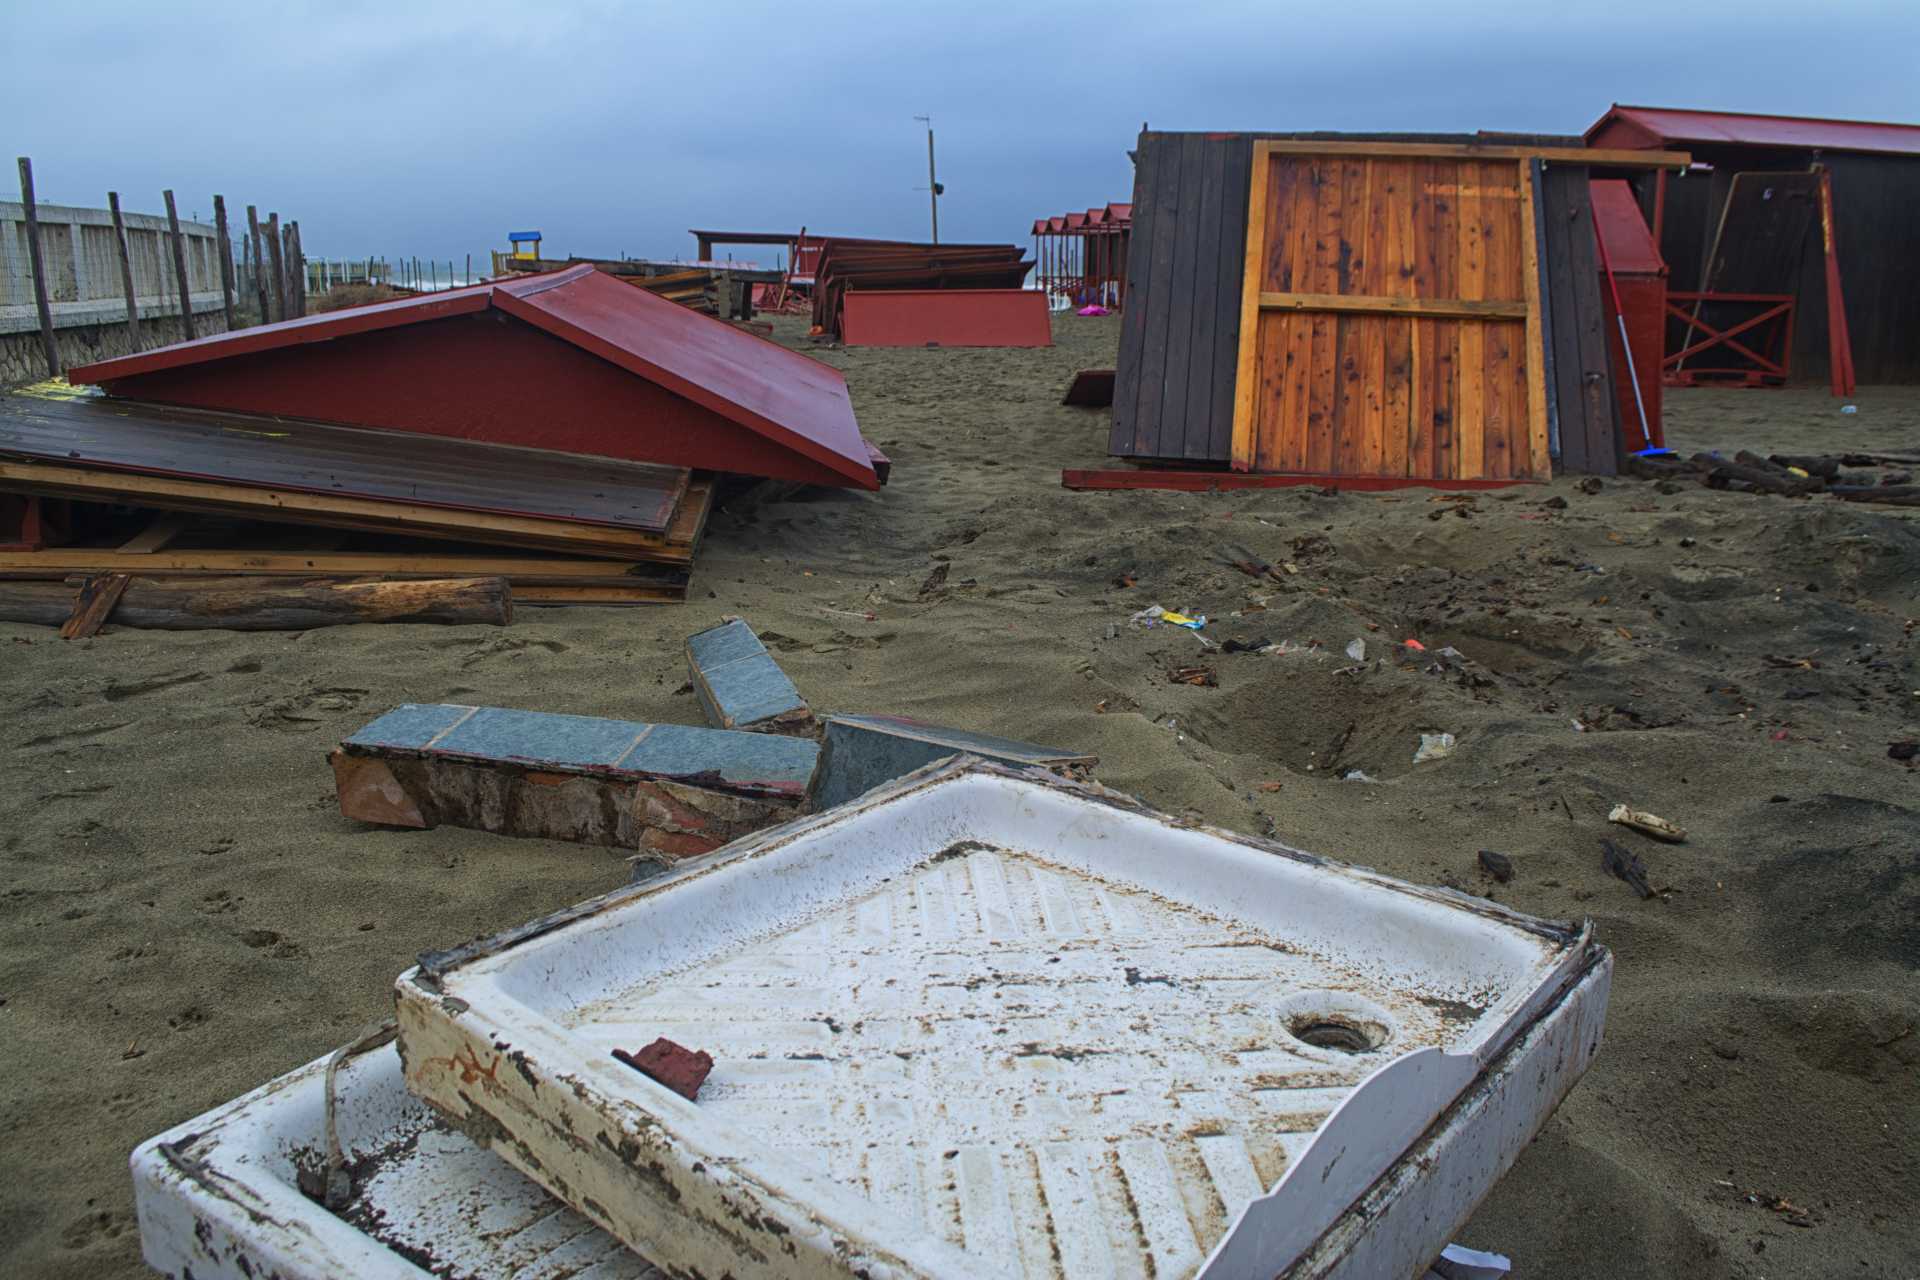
(1826, 468)
(96, 599)
(1720, 473)
(1892, 495)
(261, 604)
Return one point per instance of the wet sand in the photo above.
(184, 914)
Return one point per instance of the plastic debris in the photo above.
(1357, 650)
(1357, 775)
(1457, 1262)
(1093, 309)
(1849, 408)
(1647, 824)
(1191, 623)
(1434, 746)
(1415, 645)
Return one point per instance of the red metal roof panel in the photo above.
(1616, 217)
(1655, 126)
(786, 396)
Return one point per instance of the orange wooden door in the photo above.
(1390, 315)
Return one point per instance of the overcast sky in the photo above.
(433, 128)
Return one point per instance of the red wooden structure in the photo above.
(1083, 256)
(1640, 275)
(1733, 229)
(946, 318)
(573, 361)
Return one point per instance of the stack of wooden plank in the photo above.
(91, 484)
(871, 264)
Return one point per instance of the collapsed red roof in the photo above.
(1652, 127)
(573, 360)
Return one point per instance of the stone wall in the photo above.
(22, 361)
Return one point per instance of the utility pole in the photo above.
(934, 188)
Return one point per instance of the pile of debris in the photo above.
(871, 265)
(722, 289)
(1843, 475)
(565, 432)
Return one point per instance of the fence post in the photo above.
(226, 258)
(41, 301)
(276, 255)
(297, 269)
(259, 263)
(126, 273)
(180, 267)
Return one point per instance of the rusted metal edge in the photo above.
(434, 964)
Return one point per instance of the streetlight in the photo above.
(934, 189)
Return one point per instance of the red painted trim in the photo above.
(946, 318)
(1208, 481)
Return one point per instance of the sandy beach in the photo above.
(184, 914)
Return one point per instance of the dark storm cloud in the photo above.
(434, 128)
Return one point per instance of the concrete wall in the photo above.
(83, 272)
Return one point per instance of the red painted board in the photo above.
(946, 318)
(1659, 126)
(1208, 481)
(1616, 216)
(1643, 301)
(572, 360)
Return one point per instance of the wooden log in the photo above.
(226, 258)
(1720, 472)
(180, 267)
(259, 263)
(42, 303)
(1892, 495)
(276, 255)
(125, 255)
(1827, 468)
(264, 604)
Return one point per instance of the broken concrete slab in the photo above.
(739, 684)
(673, 791)
(858, 753)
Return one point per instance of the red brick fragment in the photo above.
(678, 1068)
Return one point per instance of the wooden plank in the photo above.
(1284, 443)
(1152, 438)
(180, 277)
(1369, 278)
(1622, 159)
(277, 271)
(1563, 368)
(1445, 308)
(1594, 360)
(1420, 461)
(1420, 431)
(126, 271)
(157, 535)
(1210, 481)
(174, 494)
(93, 604)
(1536, 456)
(1236, 158)
(1501, 379)
(1397, 430)
(1271, 420)
(1349, 417)
(259, 263)
(1246, 393)
(42, 302)
(1469, 434)
(1446, 397)
(1191, 396)
(62, 562)
(1323, 276)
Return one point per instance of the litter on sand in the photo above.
(1647, 824)
(1433, 746)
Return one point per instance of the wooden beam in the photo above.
(276, 255)
(88, 610)
(177, 493)
(252, 604)
(180, 267)
(41, 301)
(259, 263)
(1208, 481)
(126, 273)
(1465, 151)
(1247, 363)
(1539, 456)
(1444, 308)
